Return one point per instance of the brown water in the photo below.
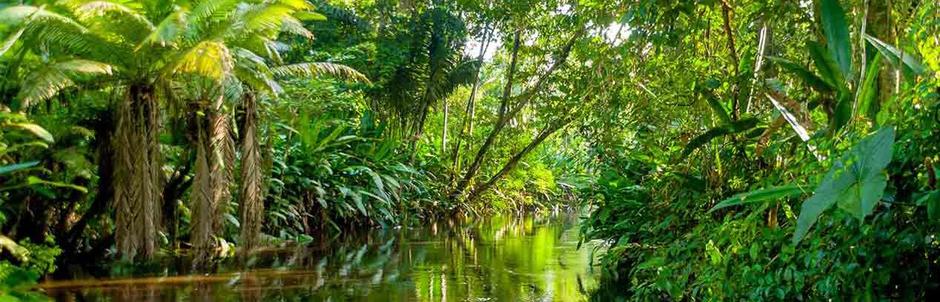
(502, 258)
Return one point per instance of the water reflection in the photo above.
(502, 258)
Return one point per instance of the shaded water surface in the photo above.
(502, 258)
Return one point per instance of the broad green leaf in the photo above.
(897, 57)
(823, 198)
(36, 130)
(856, 182)
(651, 263)
(804, 74)
(868, 92)
(843, 111)
(826, 65)
(837, 34)
(860, 198)
(761, 195)
(16, 167)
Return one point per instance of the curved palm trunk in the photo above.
(137, 174)
(211, 183)
(252, 190)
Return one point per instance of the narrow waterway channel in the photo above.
(500, 258)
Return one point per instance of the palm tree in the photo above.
(236, 65)
(132, 44)
(251, 187)
(199, 53)
(433, 67)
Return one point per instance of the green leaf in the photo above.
(826, 66)
(897, 57)
(808, 77)
(837, 34)
(310, 16)
(730, 128)
(861, 197)
(33, 180)
(357, 199)
(16, 167)
(761, 195)
(869, 89)
(843, 111)
(36, 130)
(717, 107)
(932, 201)
(856, 182)
(8, 43)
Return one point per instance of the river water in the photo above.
(500, 258)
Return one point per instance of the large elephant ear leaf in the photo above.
(855, 182)
(837, 34)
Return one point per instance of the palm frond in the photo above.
(320, 69)
(47, 81)
(9, 41)
(89, 10)
(252, 70)
(299, 5)
(208, 13)
(167, 31)
(292, 25)
(211, 59)
(113, 21)
(54, 31)
(15, 15)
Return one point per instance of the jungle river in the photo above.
(501, 258)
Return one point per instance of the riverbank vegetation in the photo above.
(724, 149)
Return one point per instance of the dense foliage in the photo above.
(725, 150)
(774, 151)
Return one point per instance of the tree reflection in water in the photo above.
(501, 258)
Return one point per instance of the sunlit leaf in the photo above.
(761, 195)
(837, 34)
(36, 130)
(897, 57)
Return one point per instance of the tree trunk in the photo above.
(211, 183)
(137, 174)
(469, 112)
(444, 131)
(879, 26)
(513, 161)
(508, 111)
(200, 197)
(501, 120)
(252, 187)
(733, 52)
